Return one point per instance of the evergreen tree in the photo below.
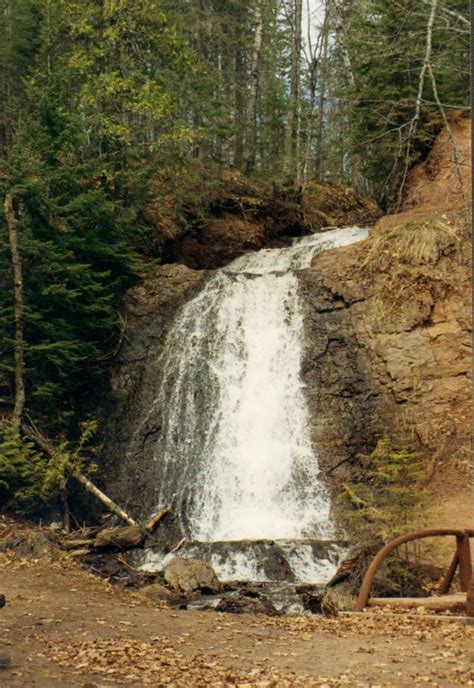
(386, 45)
(97, 101)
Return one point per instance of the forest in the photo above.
(107, 104)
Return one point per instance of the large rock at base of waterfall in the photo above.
(188, 575)
(121, 537)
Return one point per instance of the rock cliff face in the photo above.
(387, 337)
(126, 458)
(388, 332)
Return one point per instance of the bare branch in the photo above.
(421, 83)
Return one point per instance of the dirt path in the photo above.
(65, 629)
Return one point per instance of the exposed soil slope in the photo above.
(239, 216)
(439, 184)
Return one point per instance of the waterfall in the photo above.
(234, 456)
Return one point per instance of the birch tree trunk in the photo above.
(413, 124)
(18, 309)
(47, 446)
(239, 107)
(341, 12)
(254, 88)
(106, 501)
(293, 129)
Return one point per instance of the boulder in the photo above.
(243, 604)
(5, 661)
(311, 597)
(188, 575)
(159, 593)
(121, 537)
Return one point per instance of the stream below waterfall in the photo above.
(234, 459)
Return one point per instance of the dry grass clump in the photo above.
(418, 264)
(420, 242)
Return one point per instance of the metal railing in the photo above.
(461, 559)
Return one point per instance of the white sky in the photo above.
(312, 17)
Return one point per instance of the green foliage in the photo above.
(387, 500)
(22, 471)
(67, 459)
(387, 42)
(29, 479)
(102, 101)
(82, 150)
(390, 499)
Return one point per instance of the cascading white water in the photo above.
(234, 456)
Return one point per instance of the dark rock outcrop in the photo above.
(149, 311)
(387, 322)
(243, 604)
(241, 217)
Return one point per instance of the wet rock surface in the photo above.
(246, 604)
(384, 354)
(387, 327)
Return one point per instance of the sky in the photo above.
(312, 16)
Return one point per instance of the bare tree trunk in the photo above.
(106, 501)
(293, 128)
(239, 105)
(413, 124)
(451, 13)
(254, 88)
(66, 512)
(341, 11)
(19, 307)
(456, 152)
(314, 67)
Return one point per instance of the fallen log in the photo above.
(34, 434)
(106, 501)
(120, 537)
(442, 603)
(76, 544)
(156, 518)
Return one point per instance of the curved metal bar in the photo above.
(377, 561)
